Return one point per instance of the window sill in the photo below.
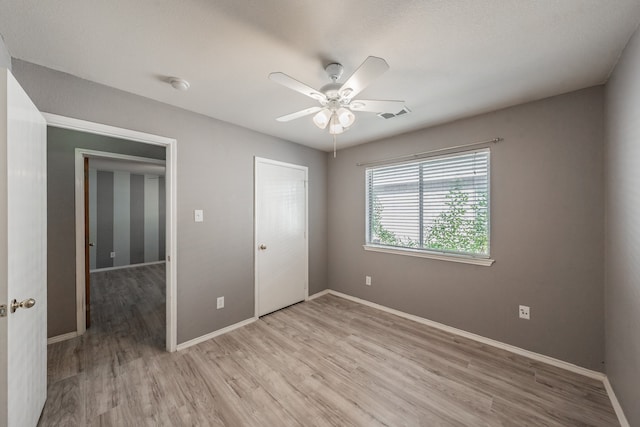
(432, 255)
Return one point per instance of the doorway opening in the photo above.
(124, 216)
(84, 257)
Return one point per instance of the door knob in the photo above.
(90, 243)
(263, 247)
(28, 303)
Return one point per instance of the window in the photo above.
(439, 204)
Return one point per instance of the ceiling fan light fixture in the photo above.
(322, 118)
(345, 117)
(335, 127)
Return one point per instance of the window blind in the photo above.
(436, 204)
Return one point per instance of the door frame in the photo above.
(256, 177)
(171, 187)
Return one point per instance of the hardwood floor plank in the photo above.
(65, 401)
(326, 362)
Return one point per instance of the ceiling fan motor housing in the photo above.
(331, 90)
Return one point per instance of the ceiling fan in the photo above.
(337, 103)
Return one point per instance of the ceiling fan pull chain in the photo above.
(334, 145)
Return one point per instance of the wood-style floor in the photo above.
(326, 362)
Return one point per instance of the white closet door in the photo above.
(281, 235)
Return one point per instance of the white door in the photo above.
(281, 235)
(23, 256)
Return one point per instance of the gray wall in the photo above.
(5, 57)
(547, 233)
(215, 173)
(622, 250)
(61, 246)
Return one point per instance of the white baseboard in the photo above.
(479, 338)
(214, 334)
(120, 267)
(63, 337)
(318, 295)
(616, 405)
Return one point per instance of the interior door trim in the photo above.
(262, 160)
(171, 165)
(87, 255)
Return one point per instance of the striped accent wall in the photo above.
(126, 217)
(137, 219)
(105, 217)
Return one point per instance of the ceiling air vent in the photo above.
(405, 110)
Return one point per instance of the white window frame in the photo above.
(476, 259)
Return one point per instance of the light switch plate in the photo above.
(198, 215)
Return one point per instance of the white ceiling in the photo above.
(449, 58)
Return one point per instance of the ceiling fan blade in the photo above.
(368, 71)
(299, 114)
(291, 83)
(375, 106)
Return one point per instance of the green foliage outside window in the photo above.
(463, 227)
(456, 230)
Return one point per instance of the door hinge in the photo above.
(3, 310)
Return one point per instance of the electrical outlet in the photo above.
(524, 312)
(367, 280)
(220, 303)
(112, 254)
(198, 215)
